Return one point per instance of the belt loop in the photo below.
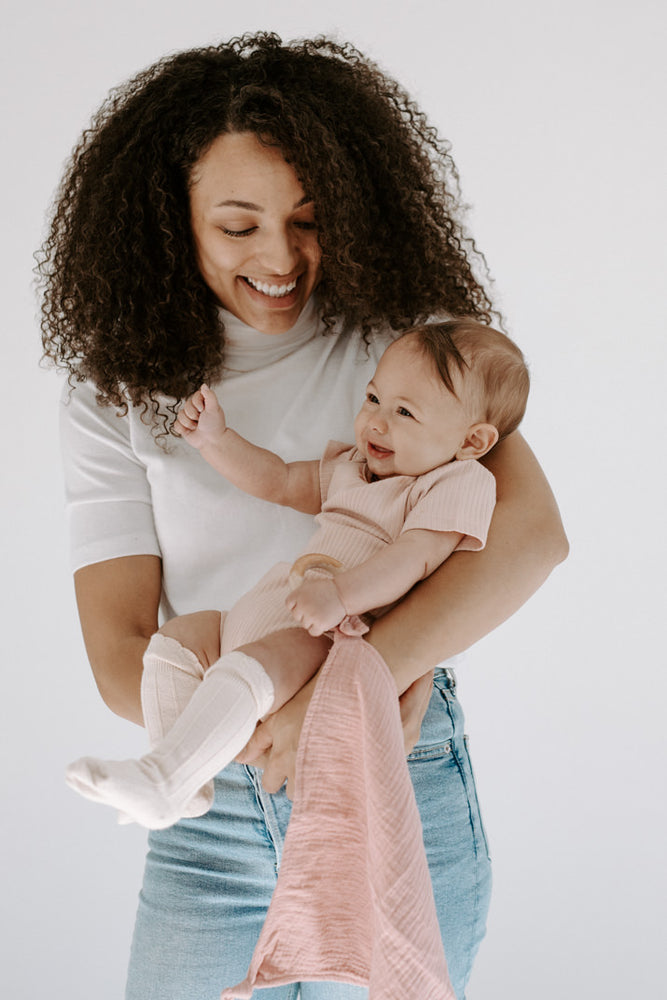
(451, 677)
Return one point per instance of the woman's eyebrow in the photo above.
(252, 207)
(240, 204)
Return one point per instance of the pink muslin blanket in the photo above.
(353, 902)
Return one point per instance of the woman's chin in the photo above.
(267, 314)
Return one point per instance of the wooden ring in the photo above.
(312, 560)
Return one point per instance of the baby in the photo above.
(389, 510)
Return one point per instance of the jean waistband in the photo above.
(445, 676)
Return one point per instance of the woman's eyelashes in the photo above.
(235, 233)
(240, 233)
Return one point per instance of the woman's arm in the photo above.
(118, 606)
(473, 592)
(464, 600)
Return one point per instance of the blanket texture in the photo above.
(353, 902)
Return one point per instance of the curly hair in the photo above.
(123, 301)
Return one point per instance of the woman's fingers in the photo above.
(278, 770)
(257, 746)
(277, 765)
(275, 742)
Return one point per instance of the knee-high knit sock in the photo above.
(172, 674)
(215, 725)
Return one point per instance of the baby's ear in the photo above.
(479, 439)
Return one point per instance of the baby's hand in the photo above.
(316, 606)
(201, 420)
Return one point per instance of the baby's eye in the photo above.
(372, 398)
(403, 412)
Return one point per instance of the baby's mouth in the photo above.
(272, 291)
(377, 451)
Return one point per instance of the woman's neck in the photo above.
(246, 349)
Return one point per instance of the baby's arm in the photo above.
(201, 422)
(318, 605)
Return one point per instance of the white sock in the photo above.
(172, 674)
(216, 724)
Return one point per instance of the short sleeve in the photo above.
(333, 453)
(458, 497)
(108, 496)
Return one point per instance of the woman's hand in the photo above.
(273, 745)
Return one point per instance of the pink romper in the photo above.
(359, 516)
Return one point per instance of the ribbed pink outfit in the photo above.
(353, 902)
(359, 517)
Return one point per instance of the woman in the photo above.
(259, 217)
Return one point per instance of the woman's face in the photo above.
(254, 231)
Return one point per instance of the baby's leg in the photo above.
(198, 632)
(290, 658)
(174, 665)
(218, 721)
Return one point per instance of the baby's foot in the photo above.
(199, 805)
(136, 788)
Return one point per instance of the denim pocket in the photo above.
(433, 752)
(441, 724)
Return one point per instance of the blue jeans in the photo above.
(208, 882)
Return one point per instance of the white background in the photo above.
(556, 115)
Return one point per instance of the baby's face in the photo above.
(409, 423)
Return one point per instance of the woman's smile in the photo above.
(272, 293)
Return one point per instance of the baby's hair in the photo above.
(496, 376)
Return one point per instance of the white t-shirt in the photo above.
(290, 393)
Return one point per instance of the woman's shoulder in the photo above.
(92, 426)
(82, 411)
